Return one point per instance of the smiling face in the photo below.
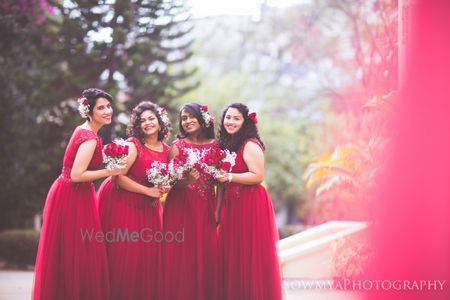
(189, 123)
(102, 112)
(233, 120)
(149, 123)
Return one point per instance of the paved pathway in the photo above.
(16, 285)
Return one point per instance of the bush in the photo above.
(18, 247)
(351, 256)
(288, 230)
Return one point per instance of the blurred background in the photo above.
(320, 74)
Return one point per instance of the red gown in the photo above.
(249, 267)
(68, 265)
(134, 265)
(190, 264)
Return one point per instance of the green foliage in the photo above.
(47, 59)
(351, 257)
(18, 247)
(28, 150)
(342, 183)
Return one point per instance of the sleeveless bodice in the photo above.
(79, 136)
(145, 157)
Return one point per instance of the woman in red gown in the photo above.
(71, 263)
(130, 202)
(190, 261)
(249, 267)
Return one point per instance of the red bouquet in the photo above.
(217, 161)
(115, 154)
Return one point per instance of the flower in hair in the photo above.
(206, 116)
(83, 107)
(252, 115)
(164, 116)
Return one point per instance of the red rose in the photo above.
(214, 159)
(184, 153)
(207, 158)
(118, 151)
(85, 101)
(108, 149)
(214, 151)
(198, 166)
(204, 107)
(221, 154)
(182, 157)
(164, 171)
(122, 150)
(177, 161)
(226, 166)
(211, 120)
(253, 117)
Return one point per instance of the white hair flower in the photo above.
(83, 107)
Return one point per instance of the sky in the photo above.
(203, 8)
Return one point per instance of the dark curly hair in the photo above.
(194, 110)
(134, 127)
(247, 131)
(92, 94)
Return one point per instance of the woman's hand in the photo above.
(154, 192)
(194, 175)
(223, 177)
(165, 189)
(117, 171)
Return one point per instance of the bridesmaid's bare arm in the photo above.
(129, 184)
(254, 159)
(174, 151)
(80, 173)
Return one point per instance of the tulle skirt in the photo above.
(70, 263)
(132, 227)
(191, 260)
(249, 267)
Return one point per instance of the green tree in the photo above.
(50, 52)
(26, 73)
(132, 46)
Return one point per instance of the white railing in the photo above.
(308, 254)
